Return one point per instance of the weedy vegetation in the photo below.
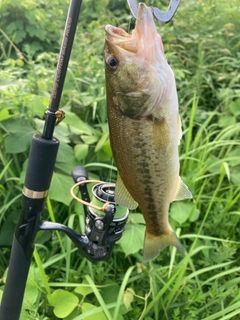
(202, 45)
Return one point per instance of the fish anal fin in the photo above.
(154, 245)
(182, 191)
(122, 196)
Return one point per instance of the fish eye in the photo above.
(112, 63)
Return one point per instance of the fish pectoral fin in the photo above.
(122, 196)
(179, 128)
(182, 191)
(153, 245)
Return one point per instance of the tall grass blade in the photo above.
(41, 271)
(99, 297)
(235, 308)
(121, 292)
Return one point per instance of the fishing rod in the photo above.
(105, 222)
(41, 163)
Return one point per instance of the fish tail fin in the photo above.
(153, 245)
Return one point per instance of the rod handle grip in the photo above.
(12, 298)
(42, 157)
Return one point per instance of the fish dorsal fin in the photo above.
(182, 191)
(122, 196)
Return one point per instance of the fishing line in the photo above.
(111, 171)
(85, 203)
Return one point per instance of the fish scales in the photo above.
(144, 127)
(138, 164)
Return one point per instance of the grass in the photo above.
(203, 284)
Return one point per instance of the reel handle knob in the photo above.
(79, 174)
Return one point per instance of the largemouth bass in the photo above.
(145, 128)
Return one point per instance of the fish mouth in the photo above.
(143, 38)
(120, 38)
(114, 33)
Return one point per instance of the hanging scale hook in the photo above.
(161, 16)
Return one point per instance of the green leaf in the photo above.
(38, 105)
(77, 126)
(89, 139)
(88, 307)
(181, 212)
(101, 141)
(107, 148)
(4, 114)
(67, 167)
(6, 83)
(137, 218)
(24, 314)
(132, 239)
(42, 85)
(81, 151)
(87, 100)
(110, 291)
(7, 229)
(128, 297)
(194, 215)
(30, 295)
(60, 188)
(226, 121)
(84, 288)
(235, 107)
(20, 136)
(64, 302)
(65, 153)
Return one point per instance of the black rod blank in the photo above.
(64, 55)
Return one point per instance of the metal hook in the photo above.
(161, 16)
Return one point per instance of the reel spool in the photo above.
(109, 227)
